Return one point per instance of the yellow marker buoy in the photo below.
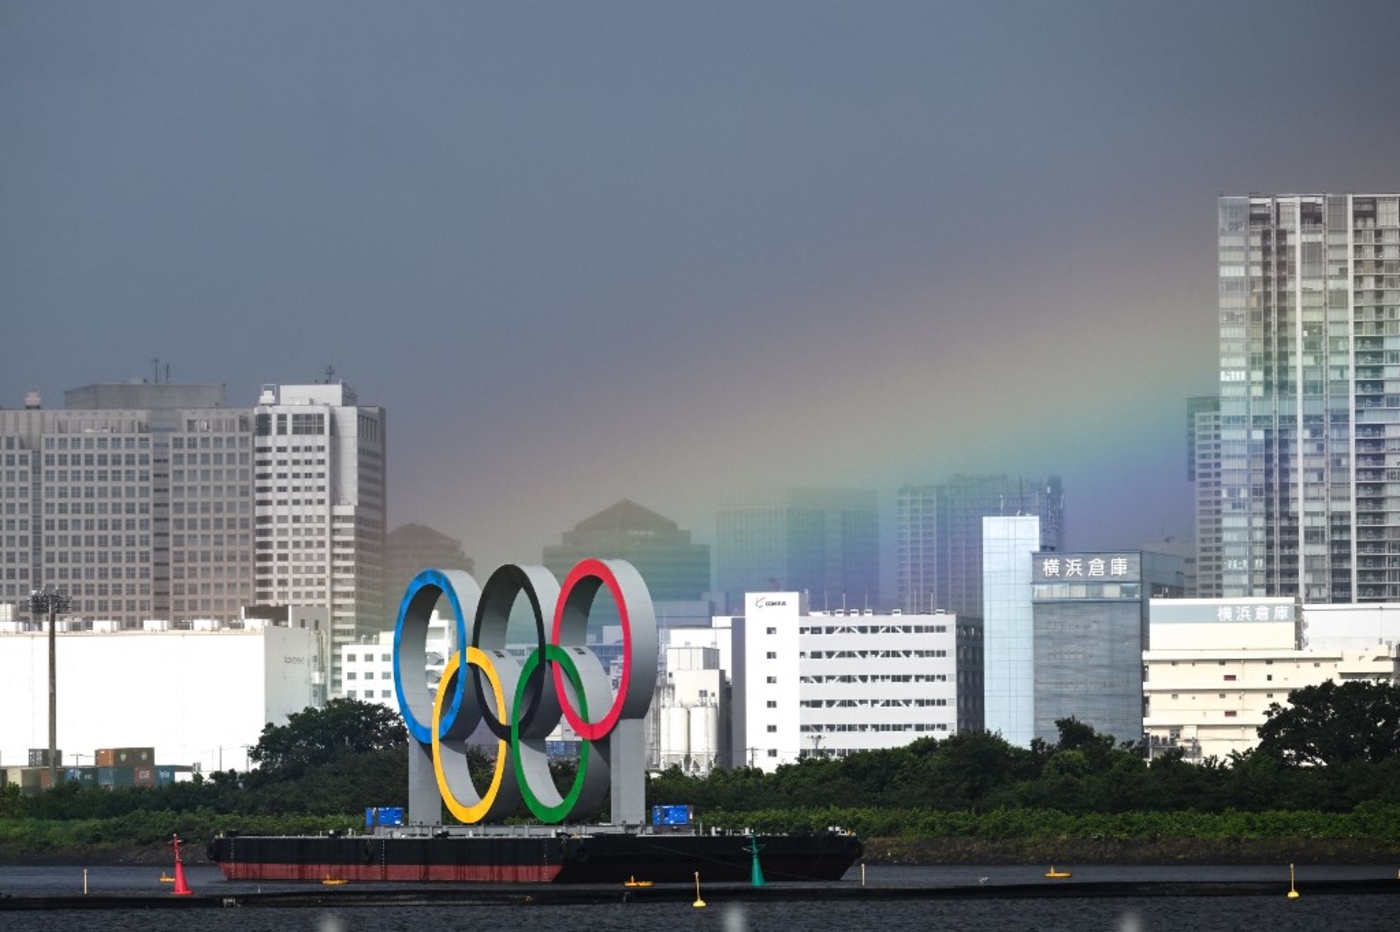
(699, 903)
(1292, 891)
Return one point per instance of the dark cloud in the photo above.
(584, 252)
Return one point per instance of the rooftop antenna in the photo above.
(155, 370)
(330, 374)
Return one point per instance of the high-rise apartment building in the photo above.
(939, 535)
(1203, 471)
(158, 501)
(1309, 450)
(823, 543)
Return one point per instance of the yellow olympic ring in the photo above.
(468, 814)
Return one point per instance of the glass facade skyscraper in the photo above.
(1309, 424)
(823, 543)
(939, 535)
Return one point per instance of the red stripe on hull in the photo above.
(403, 873)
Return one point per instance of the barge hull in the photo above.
(599, 858)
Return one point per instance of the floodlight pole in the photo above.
(51, 602)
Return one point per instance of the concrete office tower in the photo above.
(135, 500)
(415, 547)
(1309, 295)
(1008, 625)
(939, 535)
(319, 507)
(675, 568)
(158, 501)
(822, 543)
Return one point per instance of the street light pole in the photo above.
(51, 602)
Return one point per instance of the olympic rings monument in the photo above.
(522, 703)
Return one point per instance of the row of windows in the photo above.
(95, 540)
(100, 556)
(95, 475)
(872, 654)
(101, 491)
(827, 728)
(300, 424)
(871, 703)
(209, 475)
(872, 678)
(100, 572)
(874, 629)
(97, 443)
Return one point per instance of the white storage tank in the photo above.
(677, 722)
(704, 731)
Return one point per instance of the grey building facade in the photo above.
(1090, 623)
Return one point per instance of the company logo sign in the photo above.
(765, 602)
(522, 703)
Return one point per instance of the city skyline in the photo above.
(665, 253)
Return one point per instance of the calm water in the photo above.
(1265, 914)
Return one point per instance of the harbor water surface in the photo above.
(1129, 914)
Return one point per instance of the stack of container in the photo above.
(120, 767)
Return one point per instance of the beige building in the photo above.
(1216, 665)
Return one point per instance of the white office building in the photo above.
(367, 667)
(833, 683)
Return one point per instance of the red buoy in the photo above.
(181, 888)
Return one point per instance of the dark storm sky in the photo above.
(658, 250)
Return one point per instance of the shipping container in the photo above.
(144, 776)
(670, 815)
(87, 776)
(39, 757)
(165, 775)
(116, 776)
(384, 816)
(126, 757)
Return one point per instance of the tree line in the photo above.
(1331, 749)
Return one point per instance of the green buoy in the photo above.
(756, 878)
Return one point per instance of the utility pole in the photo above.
(53, 603)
